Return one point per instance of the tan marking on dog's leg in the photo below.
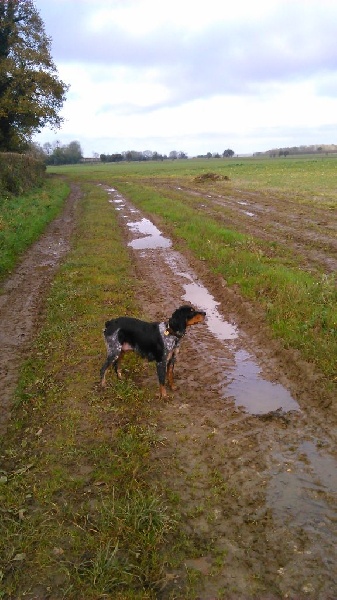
(118, 366)
(170, 377)
(162, 391)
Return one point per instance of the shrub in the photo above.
(19, 173)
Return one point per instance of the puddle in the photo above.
(255, 394)
(195, 293)
(153, 237)
(301, 489)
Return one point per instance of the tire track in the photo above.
(256, 485)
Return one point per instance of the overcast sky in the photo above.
(194, 75)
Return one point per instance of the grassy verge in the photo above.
(300, 308)
(79, 518)
(23, 218)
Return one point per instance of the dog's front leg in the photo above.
(161, 372)
(169, 371)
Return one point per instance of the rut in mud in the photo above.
(252, 455)
(21, 300)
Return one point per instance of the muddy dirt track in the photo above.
(22, 295)
(248, 443)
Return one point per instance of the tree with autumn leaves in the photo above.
(31, 93)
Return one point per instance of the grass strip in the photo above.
(300, 308)
(23, 219)
(79, 518)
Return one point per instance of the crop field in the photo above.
(226, 489)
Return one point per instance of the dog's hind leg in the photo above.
(117, 364)
(111, 359)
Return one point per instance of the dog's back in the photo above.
(143, 337)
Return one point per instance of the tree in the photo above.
(228, 153)
(31, 94)
(62, 155)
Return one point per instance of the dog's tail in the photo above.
(110, 326)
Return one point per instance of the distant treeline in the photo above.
(131, 155)
(295, 150)
(58, 154)
(134, 155)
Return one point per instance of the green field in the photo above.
(309, 178)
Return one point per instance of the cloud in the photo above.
(195, 67)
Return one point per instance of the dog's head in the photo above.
(184, 317)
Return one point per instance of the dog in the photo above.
(156, 341)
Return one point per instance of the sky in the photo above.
(195, 76)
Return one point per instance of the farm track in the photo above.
(258, 490)
(21, 300)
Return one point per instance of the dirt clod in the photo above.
(211, 177)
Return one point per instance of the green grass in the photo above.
(78, 514)
(23, 219)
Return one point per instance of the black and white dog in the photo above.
(157, 341)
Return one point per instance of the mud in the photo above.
(247, 441)
(21, 299)
(251, 448)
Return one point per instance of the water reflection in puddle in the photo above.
(195, 293)
(255, 394)
(298, 491)
(153, 237)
